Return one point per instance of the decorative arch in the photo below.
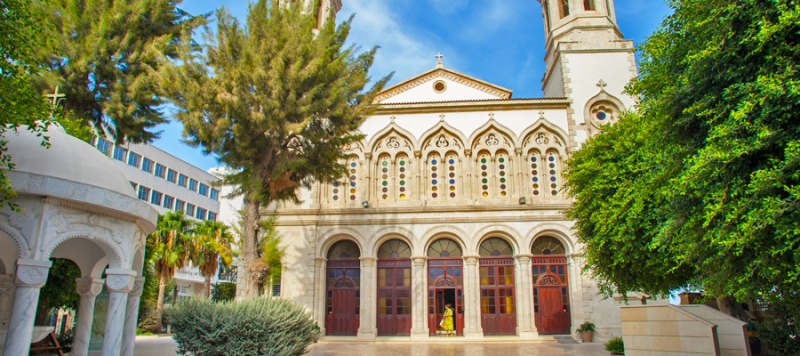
(548, 229)
(495, 247)
(548, 245)
(19, 241)
(608, 104)
(348, 189)
(555, 136)
(394, 248)
(443, 231)
(387, 233)
(112, 252)
(344, 249)
(335, 235)
(492, 136)
(444, 247)
(393, 139)
(510, 234)
(442, 138)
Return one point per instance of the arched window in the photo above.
(444, 248)
(495, 247)
(394, 249)
(564, 8)
(553, 166)
(535, 160)
(352, 166)
(503, 167)
(483, 165)
(434, 162)
(344, 249)
(383, 185)
(588, 5)
(450, 163)
(403, 174)
(548, 245)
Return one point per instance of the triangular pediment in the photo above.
(441, 84)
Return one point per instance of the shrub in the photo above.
(586, 327)
(781, 328)
(616, 346)
(149, 320)
(255, 327)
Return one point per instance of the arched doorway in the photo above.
(550, 286)
(498, 316)
(394, 288)
(343, 294)
(445, 283)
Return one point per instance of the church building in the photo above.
(455, 196)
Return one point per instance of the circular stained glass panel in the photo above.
(600, 115)
(502, 159)
(483, 160)
(385, 163)
(433, 162)
(485, 194)
(452, 195)
(402, 163)
(335, 197)
(353, 164)
(451, 161)
(385, 197)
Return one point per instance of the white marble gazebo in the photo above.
(72, 203)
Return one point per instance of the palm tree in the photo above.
(173, 247)
(212, 245)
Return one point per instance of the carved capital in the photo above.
(368, 261)
(319, 261)
(32, 273)
(524, 259)
(471, 260)
(138, 288)
(419, 261)
(89, 287)
(120, 280)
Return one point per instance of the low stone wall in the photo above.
(679, 330)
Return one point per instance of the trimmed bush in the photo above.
(254, 327)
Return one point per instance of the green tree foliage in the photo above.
(172, 247)
(20, 105)
(212, 244)
(699, 186)
(781, 333)
(59, 291)
(263, 326)
(105, 58)
(223, 292)
(276, 101)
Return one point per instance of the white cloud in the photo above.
(403, 50)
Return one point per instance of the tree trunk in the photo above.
(250, 247)
(208, 287)
(730, 306)
(162, 292)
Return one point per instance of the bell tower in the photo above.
(588, 61)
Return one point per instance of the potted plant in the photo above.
(587, 331)
(616, 346)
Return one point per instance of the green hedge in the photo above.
(249, 328)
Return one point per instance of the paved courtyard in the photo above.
(165, 346)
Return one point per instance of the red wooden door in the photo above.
(550, 295)
(498, 312)
(444, 277)
(343, 296)
(394, 297)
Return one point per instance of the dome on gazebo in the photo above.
(67, 158)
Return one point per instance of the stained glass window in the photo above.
(344, 249)
(434, 162)
(495, 246)
(394, 249)
(483, 165)
(444, 248)
(451, 174)
(552, 166)
(403, 177)
(548, 245)
(352, 166)
(535, 173)
(502, 167)
(384, 181)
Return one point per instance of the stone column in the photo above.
(419, 298)
(6, 289)
(519, 168)
(131, 317)
(88, 289)
(472, 298)
(367, 329)
(119, 282)
(526, 326)
(367, 188)
(30, 277)
(320, 278)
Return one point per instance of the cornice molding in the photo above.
(423, 209)
(499, 92)
(473, 105)
(417, 221)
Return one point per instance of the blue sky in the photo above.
(498, 41)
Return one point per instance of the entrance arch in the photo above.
(550, 286)
(498, 314)
(445, 284)
(394, 288)
(343, 294)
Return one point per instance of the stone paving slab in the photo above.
(165, 346)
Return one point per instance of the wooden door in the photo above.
(345, 320)
(550, 311)
(445, 274)
(343, 296)
(550, 295)
(394, 297)
(498, 312)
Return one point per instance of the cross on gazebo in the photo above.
(439, 57)
(55, 97)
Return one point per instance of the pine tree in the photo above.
(105, 57)
(276, 101)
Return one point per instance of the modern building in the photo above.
(168, 183)
(456, 196)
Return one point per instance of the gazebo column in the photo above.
(30, 277)
(119, 282)
(419, 293)
(367, 328)
(88, 289)
(131, 317)
(472, 298)
(527, 327)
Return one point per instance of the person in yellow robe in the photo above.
(447, 320)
